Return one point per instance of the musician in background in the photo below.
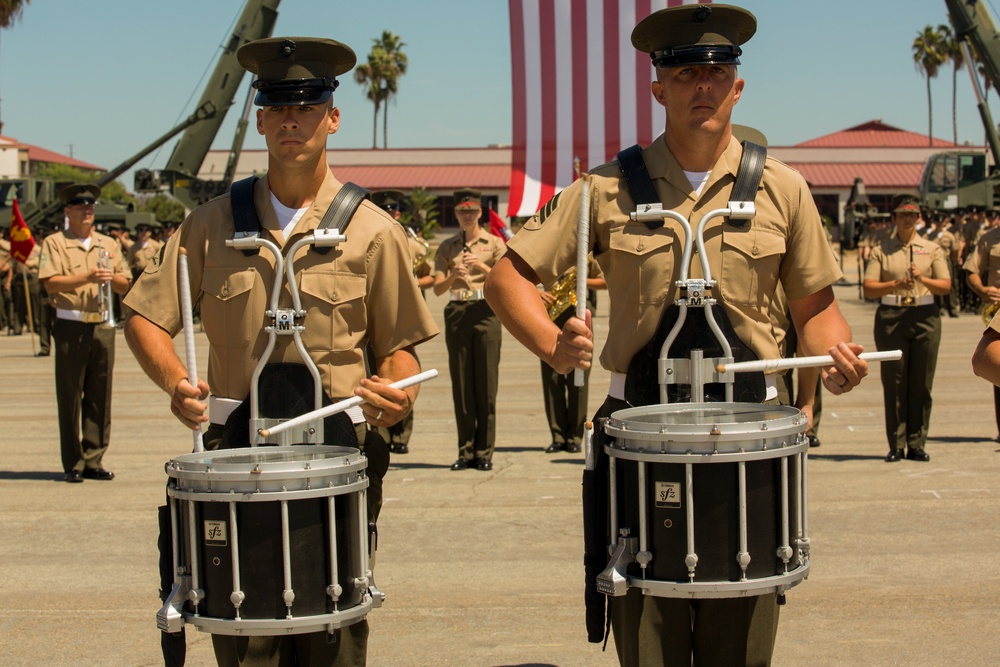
(75, 267)
(939, 233)
(982, 266)
(906, 272)
(986, 358)
(695, 51)
(472, 331)
(144, 250)
(398, 435)
(565, 403)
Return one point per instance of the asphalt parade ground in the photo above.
(485, 568)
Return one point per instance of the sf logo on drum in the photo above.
(668, 494)
(215, 533)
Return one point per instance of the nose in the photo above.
(288, 118)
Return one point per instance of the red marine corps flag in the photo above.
(21, 242)
(580, 91)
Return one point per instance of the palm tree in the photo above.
(394, 63)
(369, 75)
(928, 54)
(952, 50)
(10, 11)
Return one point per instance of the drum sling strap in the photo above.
(642, 382)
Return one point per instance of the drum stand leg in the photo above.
(237, 595)
(744, 556)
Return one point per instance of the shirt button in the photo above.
(639, 247)
(225, 289)
(754, 251)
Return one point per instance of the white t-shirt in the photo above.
(698, 179)
(287, 217)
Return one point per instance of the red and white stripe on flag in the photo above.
(580, 91)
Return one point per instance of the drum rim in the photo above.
(273, 626)
(778, 583)
(800, 447)
(620, 426)
(214, 465)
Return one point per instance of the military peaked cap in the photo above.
(906, 204)
(695, 35)
(467, 199)
(78, 193)
(295, 71)
(388, 200)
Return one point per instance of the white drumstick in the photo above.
(340, 406)
(187, 318)
(582, 250)
(768, 365)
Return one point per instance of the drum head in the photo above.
(706, 428)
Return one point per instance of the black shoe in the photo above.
(43, 353)
(399, 448)
(484, 464)
(98, 473)
(553, 448)
(73, 477)
(917, 455)
(813, 441)
(894, 455)
(572, 448)
(462, 464)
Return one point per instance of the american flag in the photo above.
(581, 91)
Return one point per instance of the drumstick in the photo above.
(767, 365)
(187, 318)
(340, 406)
(582, 250)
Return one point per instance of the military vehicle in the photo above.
(963, 178)
(38, 198)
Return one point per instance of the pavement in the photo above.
(485, 568)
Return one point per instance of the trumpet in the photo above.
(105, 295)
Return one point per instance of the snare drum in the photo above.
(271, 540)
(707, 500)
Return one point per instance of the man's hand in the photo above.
(574, 346)
(383, 406)
(187, 403)
(847, 371)
(991, 294)
(100, 275)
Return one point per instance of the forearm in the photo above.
(120, 284)
(400, 365)
(874, 289)
(154, 350)
(820, 323)
(512, 295)
(938, 286)
(66, 283)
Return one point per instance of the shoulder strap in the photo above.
(245, 217)
(748, 176)
(640, 185)
(338, 216)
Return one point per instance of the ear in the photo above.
(260, 122)
(738, 90)
(658, 93)
(334, 119)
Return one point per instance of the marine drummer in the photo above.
(360, 298)
(695, 50)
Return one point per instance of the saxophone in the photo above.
(564, 293)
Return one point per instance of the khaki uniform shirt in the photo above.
(984, 259)
(488, 248)
(139, 258)
(891, 261)
(945, 239)
(360, 293)
(63, 254)
(784, 243)
(4, 254)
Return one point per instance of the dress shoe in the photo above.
(462, 464)
(917, 455)
(813, 441)
(98, 473)
(73, 477)
(43, 353)
(553, 448)
(484, 464)
(894, 455)
(399, 448)
(572, 448)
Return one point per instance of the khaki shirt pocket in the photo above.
(232, 318)
(751, 261)
(336, 313)
(642, 261)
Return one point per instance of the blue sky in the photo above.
(103, 78)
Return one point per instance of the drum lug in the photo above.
(378, 597)
(613, 580)
(169, 618)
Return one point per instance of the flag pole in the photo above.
(27, 304)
